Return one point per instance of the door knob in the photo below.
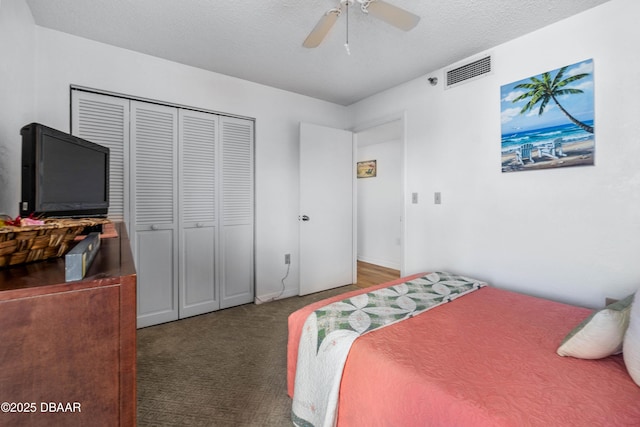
(305, 218)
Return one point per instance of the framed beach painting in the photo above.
(548, 120)
(367, 169)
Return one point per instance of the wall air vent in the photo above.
(470, 71)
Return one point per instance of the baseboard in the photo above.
(259, 299)
(379, 261)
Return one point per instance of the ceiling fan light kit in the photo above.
(380, 9)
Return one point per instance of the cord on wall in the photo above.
(288, 262)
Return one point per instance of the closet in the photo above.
(182, 182)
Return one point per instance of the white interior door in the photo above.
(154, 197)
(197, 211)
(326, 208)
(104, 120)
(183, 182)
(236, 229)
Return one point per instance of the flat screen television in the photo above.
(62, 175)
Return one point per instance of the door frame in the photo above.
(369, 124)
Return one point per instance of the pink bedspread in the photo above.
(487, 359)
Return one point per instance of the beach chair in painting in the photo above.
(551, 149)
(524, 153)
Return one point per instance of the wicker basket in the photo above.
(19, 245)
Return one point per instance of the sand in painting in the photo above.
(578, 153)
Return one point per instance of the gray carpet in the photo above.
(226, 368)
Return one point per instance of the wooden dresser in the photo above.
(68, 350)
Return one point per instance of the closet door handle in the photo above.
(305, 218)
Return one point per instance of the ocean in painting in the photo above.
(569, 133)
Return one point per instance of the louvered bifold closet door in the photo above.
(154, 135)
(104, 120)
(198, 227)
(236, 235)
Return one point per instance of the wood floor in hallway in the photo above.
(371, 274)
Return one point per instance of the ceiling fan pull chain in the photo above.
(346, 45)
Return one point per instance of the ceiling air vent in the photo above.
(471, 71)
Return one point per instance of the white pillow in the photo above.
(599, 335)
(631, 346)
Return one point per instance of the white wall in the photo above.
(581, 236)
(17, 65)
(380, 205)
(63, 60)
(571, 234)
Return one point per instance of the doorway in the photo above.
(380, 198)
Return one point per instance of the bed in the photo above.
(486, 358)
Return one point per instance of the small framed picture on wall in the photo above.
(367, 169)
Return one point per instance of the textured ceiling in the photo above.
(261, 40)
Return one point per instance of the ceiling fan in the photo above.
(393, 15)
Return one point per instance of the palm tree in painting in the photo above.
(542, 91)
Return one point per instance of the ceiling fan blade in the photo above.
(393, 15)
(321, 29)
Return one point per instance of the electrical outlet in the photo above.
(287, 258)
